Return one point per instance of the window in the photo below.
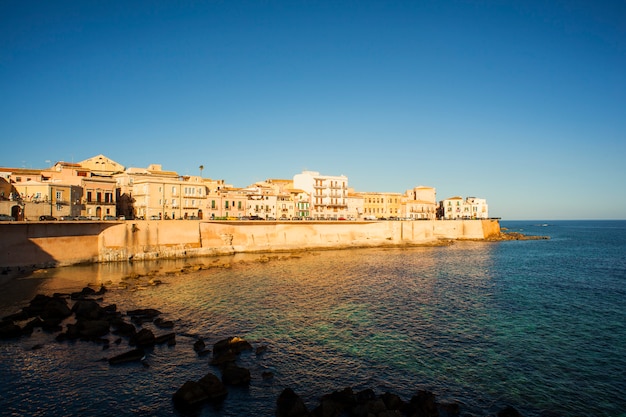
(174, 190)
(59, 195)
(213, 204)
(239, 205)
(88, 196)
(226, 204)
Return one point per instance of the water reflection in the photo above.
(375, 318)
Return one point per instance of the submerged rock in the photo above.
(130, 356)
(235, 375)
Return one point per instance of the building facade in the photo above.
(470, 208)
(420, 203)
(328, 194)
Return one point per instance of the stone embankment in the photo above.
(49, 244)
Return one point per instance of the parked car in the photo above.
(109, 218)
(65, 218)
(47, 218)
(155, 218)
(256, 218)
(6, 218)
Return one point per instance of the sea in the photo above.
(539, 325)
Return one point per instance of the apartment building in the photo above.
(381, 205)
(158, 194)
(328, 194)
(470, 208)
(420, 203)
(63, 190)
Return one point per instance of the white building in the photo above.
(470, 208)
(328, 193)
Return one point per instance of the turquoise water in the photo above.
(538, 325)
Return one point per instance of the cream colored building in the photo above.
(101, 165)
(381, 205)
(420, 203)
(65, 189)
(328, 194)
(158, 194)
(356, 205)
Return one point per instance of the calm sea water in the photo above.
(539, 325)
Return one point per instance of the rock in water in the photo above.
(130, 356)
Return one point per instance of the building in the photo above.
(470, 208)
(156, 194)
(420, 203)
(328, 194)
(63, 190)
(381, 205)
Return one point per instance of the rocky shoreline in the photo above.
(83, 316)
(507, 235)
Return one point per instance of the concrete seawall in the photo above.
(48, 244)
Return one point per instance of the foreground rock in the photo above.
(194, 394)
(347, 403)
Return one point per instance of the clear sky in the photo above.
(519, 102)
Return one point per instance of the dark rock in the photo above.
(509, 412)
(190, 395)
(213, 387)
(31, 325)
(47, 307)
(143, 337)
(85, 292)
(10, 330)
(130, 356)
(289, 404)
(168, 337)
(233, 344)
(52, 324)
(345, 397)
(423, 404)
(199, 345)
(328, 408)
(267, 374)
(449, 410)
(365, 395)
(223, 358)
(88, 309)
(92, 329)
(163, 324)
(123, 328)
(148, 313)
(393, 401)
(56, 308)
(261, 349)
(235, 375)
(22, 315)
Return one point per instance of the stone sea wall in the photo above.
(46, 244)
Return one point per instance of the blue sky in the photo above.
(521, 103)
